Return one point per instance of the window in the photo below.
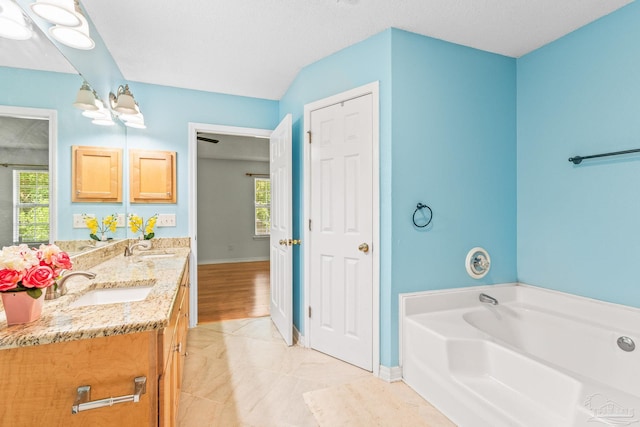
(262, 200)
(30, 206)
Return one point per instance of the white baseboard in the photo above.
(390, 374)
(232, 260)
(298, 339)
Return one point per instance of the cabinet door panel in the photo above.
(97, 174)
(166, 391)
(152, 176)
(174, 351)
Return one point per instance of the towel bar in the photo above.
(83, 397)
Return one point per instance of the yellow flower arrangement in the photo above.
(137, 224)
(108, 223)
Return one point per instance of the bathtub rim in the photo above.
(518, 290)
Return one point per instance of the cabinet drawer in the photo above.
(48, 377)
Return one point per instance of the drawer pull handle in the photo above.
(83, 398)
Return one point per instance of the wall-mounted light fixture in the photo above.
(102, 116)
(125, 106)
(57, 12)
(93, 108)
(86, 98)
(123, 102)
(70, 27)
(13, 23)
(133, 120)
(122, 106)
(75, 37)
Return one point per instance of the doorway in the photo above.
(342, 226)
(28, 144)
(231, 291)
(226, 163)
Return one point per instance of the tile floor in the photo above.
(240, 373)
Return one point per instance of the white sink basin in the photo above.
(112, 296)
(155, 254)
(152, 256)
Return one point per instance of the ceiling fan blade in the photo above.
(202, 138)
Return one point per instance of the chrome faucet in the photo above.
(143, 244)
(53, 293)
(480, 263)
(488, 299)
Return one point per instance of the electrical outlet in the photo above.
(166, 220)
(78, 220)
(121, 221)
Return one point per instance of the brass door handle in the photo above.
(290, 242)
(363, 248)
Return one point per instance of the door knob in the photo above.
(283, 242)
(363, 248)
(294, 242)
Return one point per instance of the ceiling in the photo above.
(257, 47)
(24, 134)
(37, 53)
(233, 147)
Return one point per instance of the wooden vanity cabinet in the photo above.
(40, 382)
(172, 344)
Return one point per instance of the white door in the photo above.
(280, 250)
(341, 284)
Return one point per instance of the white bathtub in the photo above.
(539, 358)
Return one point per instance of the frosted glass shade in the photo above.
(125, 104)
(59, 12)
(100, 112)
(12, 23)
(135, 121)
(75, 37)
(86, 100)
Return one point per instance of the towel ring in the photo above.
(419, 207)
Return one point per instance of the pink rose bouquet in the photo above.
(24, 269)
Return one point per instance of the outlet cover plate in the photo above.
(166, 220)
(78, 220)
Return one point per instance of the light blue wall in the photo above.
(578, 225)
(168, 111)
(447, 126)
(357, 65)
(453, 148)
(57, 91)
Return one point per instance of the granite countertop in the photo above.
(60, 322)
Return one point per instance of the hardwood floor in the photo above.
(233, 291)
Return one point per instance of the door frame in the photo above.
(373, 89)
(192, 155)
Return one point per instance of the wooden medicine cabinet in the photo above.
(152, 176)
(96, 174)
